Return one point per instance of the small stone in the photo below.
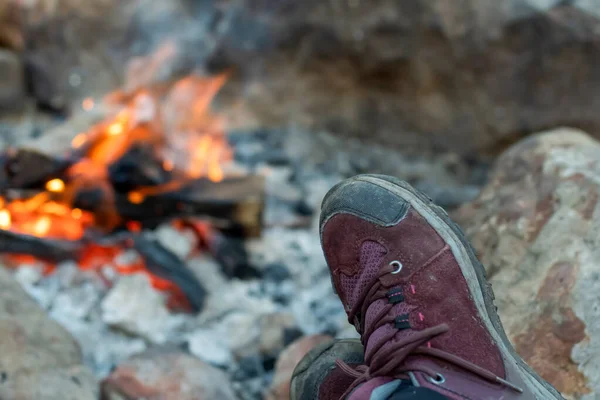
(66, 273)
(248, 368)
(288, 359)
(210, 346)
(127, 257)
(303, 208)
(165, 375)
(241, 299)
(180, 242)
(28, 275)
(247, 343)
(273, 332)
(276, 272)
(208, 271)
(76, 302)
(137, 308)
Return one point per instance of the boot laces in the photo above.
(390, 363)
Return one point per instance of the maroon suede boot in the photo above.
(416, 293)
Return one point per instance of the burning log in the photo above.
(229, 252)
(140, 166)
(42, 248)
(29, 168)
(234, 204)
(163, 263)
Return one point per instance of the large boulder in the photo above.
(11, 35)
(38, 358)
(468, 75)
(12, 83)
(536, 229)
(420, 74)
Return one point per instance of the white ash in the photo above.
(134, 306)
(181, 243)
(244, 323)
(211, 346)
(208, 271)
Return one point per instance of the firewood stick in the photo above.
(42, 248)
(234, 205)
(163, 263)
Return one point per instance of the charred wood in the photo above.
(163, 263)
(42, 248)
(29, 168)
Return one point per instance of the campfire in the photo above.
(159, 155)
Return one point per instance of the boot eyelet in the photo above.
(438, 380)
(397, 266)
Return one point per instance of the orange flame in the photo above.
(179, 127)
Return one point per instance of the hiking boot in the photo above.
(317, 377)
(416, 293)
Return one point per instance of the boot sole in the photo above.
(308, 360)
(471, 267)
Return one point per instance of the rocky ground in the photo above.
(533, 225)
(136, 347)
(458, 84)
(422, 74)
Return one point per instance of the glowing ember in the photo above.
(76, 213)
(115, 129)
(135, 197)
(55, 185)
(5, 219)
(42, 226)
(78, 140)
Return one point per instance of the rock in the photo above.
(12, 84)
(209, 272)
(74, 383)
(276, 272)
(211, 346)
(240, 299)
(64, 56)
(137, 308)
(273, 328)
(288, 359)
(164, 375)
(78, 49)
(418, 74)
(179, 242)
(11, 35)
(536, 228)
(39, 359)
